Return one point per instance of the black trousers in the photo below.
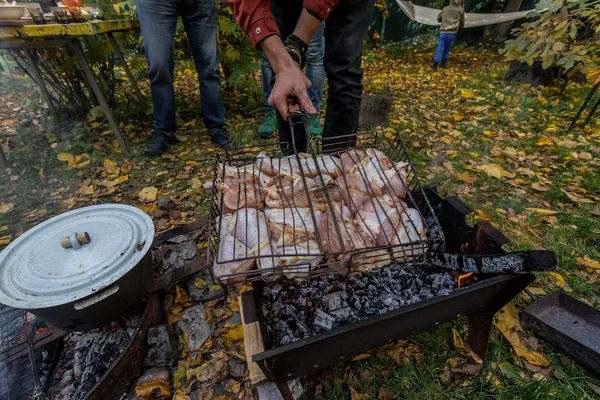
(345, 30)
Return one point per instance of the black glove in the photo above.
(297, 49)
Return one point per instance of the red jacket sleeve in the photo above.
(255, 18)
(320, 8)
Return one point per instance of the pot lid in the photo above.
(47, 266)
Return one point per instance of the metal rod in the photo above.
(583, 106)
(3, 160)
(136, 88)
(77, 49)
(40, 82)
(591, 113)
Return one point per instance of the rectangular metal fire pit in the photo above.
(478, 302)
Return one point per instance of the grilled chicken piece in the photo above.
(241, 187)
(351, 157)
(353, 190)
(376, 169)
(301, 255)
(410, 230)
(289, 226)
(327, 165)
(288, 165)
(230, 248)
(379, 218)
(290, 192)
(250, 227)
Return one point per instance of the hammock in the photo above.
(428, 16)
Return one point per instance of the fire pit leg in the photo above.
(285, 391)
(480, 326)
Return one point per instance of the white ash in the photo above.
(294, 311)
(86, 356)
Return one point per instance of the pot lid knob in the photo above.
(75, 241)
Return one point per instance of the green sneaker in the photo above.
(269, 125)
(314, 125)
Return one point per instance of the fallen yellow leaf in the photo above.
(234, 334)
(458, 116)
(148, 194)
(544, 140)
(496, 151)
(156, 389)
(113, 182)
(446, 139)
(588, 263)
(541, 211)
(465, 177)
(109, 163)
(508, 324)
(361, 357)
(5, 239)
(68, 157)
(560, 281)
(4, 208)
(80, 161)
(86, 189)
(576, 198)
(200, 283)
(3, 228)
(495, 171)
(180, 395)
(467, 94)
(541, 187)
(488, 133)
(195, 183)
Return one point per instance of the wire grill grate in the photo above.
(17, 376)
(304, 215)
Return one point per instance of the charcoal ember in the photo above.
(105, 347)
(324, 320)
(294, 311)
(335, 300)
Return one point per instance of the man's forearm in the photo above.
(307, 26)
(276, 53)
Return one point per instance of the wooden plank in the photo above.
(253, 343)
(178, 274)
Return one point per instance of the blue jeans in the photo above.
(444, 45)
(158, 21)
(314, 71)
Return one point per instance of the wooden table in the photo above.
(24, 35)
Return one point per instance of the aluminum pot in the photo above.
(80, 270)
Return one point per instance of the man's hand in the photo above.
(290, 92)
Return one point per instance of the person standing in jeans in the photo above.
(452, 18)
(283, 30)
(158, 21)
(315, 74)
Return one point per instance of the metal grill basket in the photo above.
(315, 213)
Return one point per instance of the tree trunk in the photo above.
(502, 30)
(374, 109)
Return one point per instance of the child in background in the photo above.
(452, 18)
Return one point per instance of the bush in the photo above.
(564, 36)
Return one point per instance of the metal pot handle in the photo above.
(80, 305)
